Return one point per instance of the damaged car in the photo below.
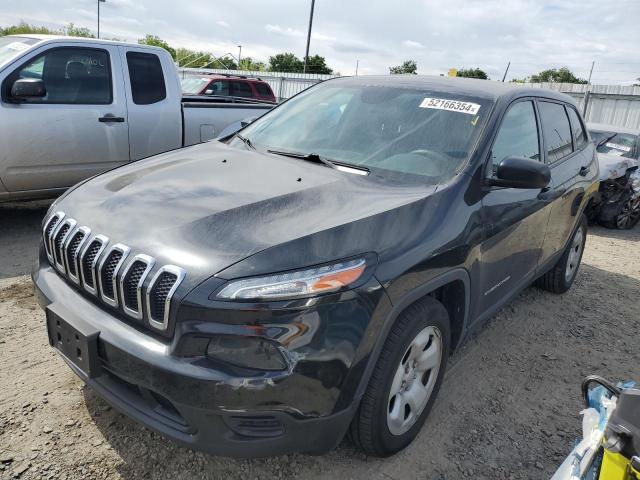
(618, 150)
(311, 275)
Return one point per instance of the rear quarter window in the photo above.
(263, 89)
(147, 78)
(579, 134)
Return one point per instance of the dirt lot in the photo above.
(508, 407)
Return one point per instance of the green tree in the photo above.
(285, 62)
(248, 63)
(409, 66)
(561, 75)
(318, 64)
(157, 42)
(472, 73)
(23, 27)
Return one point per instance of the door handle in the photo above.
(549, 195)
(109, 118)
(584, 170)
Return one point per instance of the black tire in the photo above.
(626, 218)
(555, 280)
(369, 430)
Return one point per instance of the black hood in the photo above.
(210, 206)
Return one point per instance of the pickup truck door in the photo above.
(515, 220)
(154, 103)
(77, 130)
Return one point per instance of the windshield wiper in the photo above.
(244, 140)
(605, 140)
(314, 157)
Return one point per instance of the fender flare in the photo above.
(457, 274)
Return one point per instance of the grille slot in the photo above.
(131, 284)
(159, 294)
(108, 272)
(89, 260)
(48, 232)
(130, 297)
(73, 246)
(57, 245)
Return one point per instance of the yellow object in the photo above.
(617, 467)
(452, 72)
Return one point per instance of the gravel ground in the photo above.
(508, 407)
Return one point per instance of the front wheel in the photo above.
(405, 380)
(629, 214)
(560, 278)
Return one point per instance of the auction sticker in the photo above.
(450, 105)
(617, 146)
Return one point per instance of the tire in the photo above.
(560, 278)
(627, 217)
(371, 428)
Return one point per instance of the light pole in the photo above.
(306, 56)
(99, 2)
(239, 54)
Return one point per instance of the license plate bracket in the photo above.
(78, 344)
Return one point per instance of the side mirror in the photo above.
(521, 172)
(24, 88)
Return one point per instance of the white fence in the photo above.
(284, 85)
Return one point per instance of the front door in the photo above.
(515, 220)
(78, 129)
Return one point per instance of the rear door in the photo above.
(77, 130)
(515, 219)
(573, 166)
(154, 102)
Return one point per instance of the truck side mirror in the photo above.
(25, 88)
(521, 172)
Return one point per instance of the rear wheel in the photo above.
(405, 380)
(560, 278)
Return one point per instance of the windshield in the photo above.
(12, 46)
(612, 143)
(194, 85)
(393, 130)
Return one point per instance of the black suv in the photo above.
(312, 275)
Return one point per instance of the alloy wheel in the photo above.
(414, 380)
(629, 215)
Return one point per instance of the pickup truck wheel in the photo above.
(405, 380)
(560, 278)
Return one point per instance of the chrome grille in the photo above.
(120, 280)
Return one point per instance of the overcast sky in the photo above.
(532, 34)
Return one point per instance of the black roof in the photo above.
(489, 89)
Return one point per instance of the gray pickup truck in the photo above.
(72, 108)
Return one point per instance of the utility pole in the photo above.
(505, 72)
(306, 56)
(99, 2)
(239, 54)
(591, 73)
(357, 65)
(587, 92)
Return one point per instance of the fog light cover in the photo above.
(247, 352)
(312, 281)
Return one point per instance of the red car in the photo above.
(228, 86)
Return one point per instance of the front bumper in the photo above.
(220, 410)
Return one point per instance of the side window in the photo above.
(518, 134)
(219, 88)
(263, 89)
(241, 89)
(556, 130)
(579, 135)
(76, 76)
(147, 78)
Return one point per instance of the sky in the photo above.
(374, 34)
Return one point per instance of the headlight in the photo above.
(302, 283)
(635, 181)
